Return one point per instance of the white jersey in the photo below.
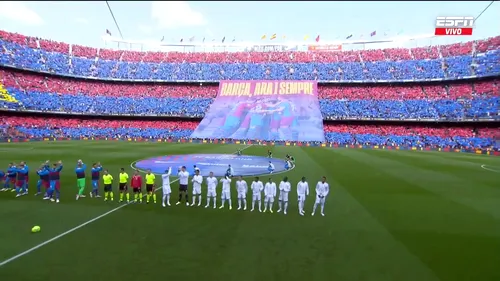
(183, 177)
(284, 188)
(165, 178)
(322, 189)
(211, 186)
(302, 188)
(271, 166)
(257, 187)
(197, 181)
(226, 185)
(230, 171)
(211, 183)
(241, 187)
(270, 189)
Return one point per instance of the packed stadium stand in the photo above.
(47, 76)
(36, 127)
(477, 58)
(444, 101)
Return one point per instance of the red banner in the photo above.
(324, 48)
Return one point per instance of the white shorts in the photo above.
(302, 197)
(242, 195)
(166, 189)
(283, 196)
(270, 199)
(211, 193)
(196, 190)
(320, 200)
(256, 197)
(226, 195)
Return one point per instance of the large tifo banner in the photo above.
(264, 110)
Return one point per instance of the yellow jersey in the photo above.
(150, 179)
(123, 177)
(108, 179)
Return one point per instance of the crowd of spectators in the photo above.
(449, 101)
(413, 136)
(442, 62)
(35, 82)
(453, 101)
(36, 127)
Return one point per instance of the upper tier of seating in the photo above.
(477, 58)
(339, 134)
(451, 101)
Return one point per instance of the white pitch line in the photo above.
(76, 228)
(488, 169)
(69, 231)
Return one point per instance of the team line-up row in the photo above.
(17, 175)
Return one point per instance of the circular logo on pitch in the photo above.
(244, 165)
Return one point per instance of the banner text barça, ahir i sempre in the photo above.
(264, 110)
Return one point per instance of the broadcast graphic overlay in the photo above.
(264, 110)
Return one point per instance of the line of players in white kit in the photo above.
(257, 187)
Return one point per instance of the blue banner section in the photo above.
(244, 165)
(264, 110)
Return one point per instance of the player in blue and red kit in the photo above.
(288, 119)
(22, 175)
(27, 174)
(234, 119)
(10, 178)
(257, 115)
(44, 181)
(2, 178)
(95, 174)
(55, 184)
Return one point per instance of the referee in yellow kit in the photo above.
(123, 185)
(150, 187)
(108, 185)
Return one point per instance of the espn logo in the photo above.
(454, 25)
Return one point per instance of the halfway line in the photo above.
(77, 227)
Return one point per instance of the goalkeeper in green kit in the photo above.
(80, 178)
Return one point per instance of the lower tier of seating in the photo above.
(36, 127)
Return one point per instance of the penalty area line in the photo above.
(9, 260)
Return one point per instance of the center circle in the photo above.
(244, 165)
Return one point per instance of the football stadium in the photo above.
(315, 159)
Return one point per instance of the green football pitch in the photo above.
(390, 215)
